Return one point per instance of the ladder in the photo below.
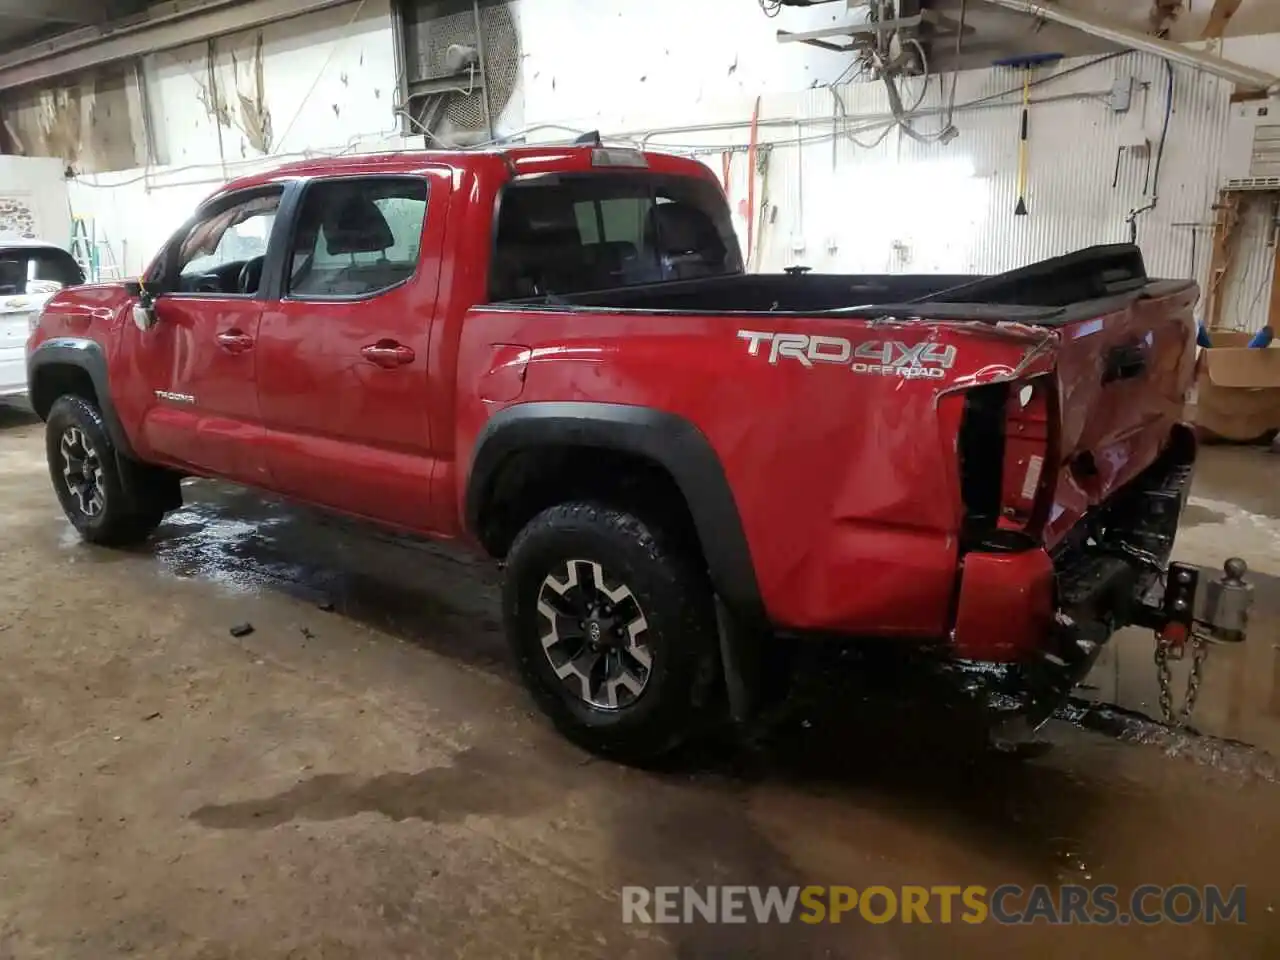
(92, 252)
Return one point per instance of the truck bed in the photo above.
(1113, 348)
(1049, 293)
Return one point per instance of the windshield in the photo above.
(570, 234)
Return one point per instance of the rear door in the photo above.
(199, 362)
(15, 319)
(343, 351)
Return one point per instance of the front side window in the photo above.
(572, 234)
(224, 251)
(357, 237)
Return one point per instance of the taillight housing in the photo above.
(1004, 464)
(1026, 448)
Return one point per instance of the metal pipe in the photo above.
(849, 29)
(215, 104)
(1237, 73)
(871, 118)
(484, 71)
(402, 76)
(144, 103)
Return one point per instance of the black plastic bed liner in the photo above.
(1052, 292)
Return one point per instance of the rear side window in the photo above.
(572, 234)
(20, 265)
(357, 237)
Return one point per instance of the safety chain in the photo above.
(1168, 651)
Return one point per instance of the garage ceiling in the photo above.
(29, 21)
(991, 31)
(1001, 33)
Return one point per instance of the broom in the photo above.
(1026, 64)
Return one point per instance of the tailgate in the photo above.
(1122, 380)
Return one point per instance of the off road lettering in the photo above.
(874, 357)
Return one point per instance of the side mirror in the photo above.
(144, 311)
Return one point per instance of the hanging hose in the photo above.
(1132, 218)
(751, 179)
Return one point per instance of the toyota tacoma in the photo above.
(554, 355)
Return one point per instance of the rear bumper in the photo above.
(1006, 606)
(1012, 605)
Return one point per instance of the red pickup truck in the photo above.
(555, 355)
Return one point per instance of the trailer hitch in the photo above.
(1198, 611)
(1186, 606)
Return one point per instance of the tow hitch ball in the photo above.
(1198, 611)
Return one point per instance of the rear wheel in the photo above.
(106, 504)
(614, 630)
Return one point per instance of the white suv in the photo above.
(30, 272)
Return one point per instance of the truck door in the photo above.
(199, 361)
(344, 391)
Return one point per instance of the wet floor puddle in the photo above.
(244, 543)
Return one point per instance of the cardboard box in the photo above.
(1238, 389)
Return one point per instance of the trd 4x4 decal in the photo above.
(878, 357)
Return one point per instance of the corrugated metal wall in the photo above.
(904, 206)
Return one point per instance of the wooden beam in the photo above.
(1244, 96)
(1219, 17)
(1222, 257)
(1273, 314)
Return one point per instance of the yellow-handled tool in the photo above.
(1026, 65)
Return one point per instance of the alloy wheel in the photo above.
(594, 635)
(82, 472)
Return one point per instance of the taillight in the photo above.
(1003, 450)
(1026, 431)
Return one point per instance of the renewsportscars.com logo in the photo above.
(1009, 904)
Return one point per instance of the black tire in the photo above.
(671, 588)
(107, 507)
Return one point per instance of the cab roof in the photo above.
(27, 243)
(508, 163)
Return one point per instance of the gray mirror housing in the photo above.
(144, 315)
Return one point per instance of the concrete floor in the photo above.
(373, 782)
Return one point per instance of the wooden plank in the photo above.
(1273, 313)
(1219, 17)
(1226, 217)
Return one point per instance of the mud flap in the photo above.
(1050, 680)
(756, 669)
(148, 487)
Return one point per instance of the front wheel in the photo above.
(86, 473)
(614, 629)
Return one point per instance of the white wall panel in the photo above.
(904, 206)
(327, 77)
(33, 199)
(329, 86)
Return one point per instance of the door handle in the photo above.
(1125, 363)
(235, 341)
(388, 354)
